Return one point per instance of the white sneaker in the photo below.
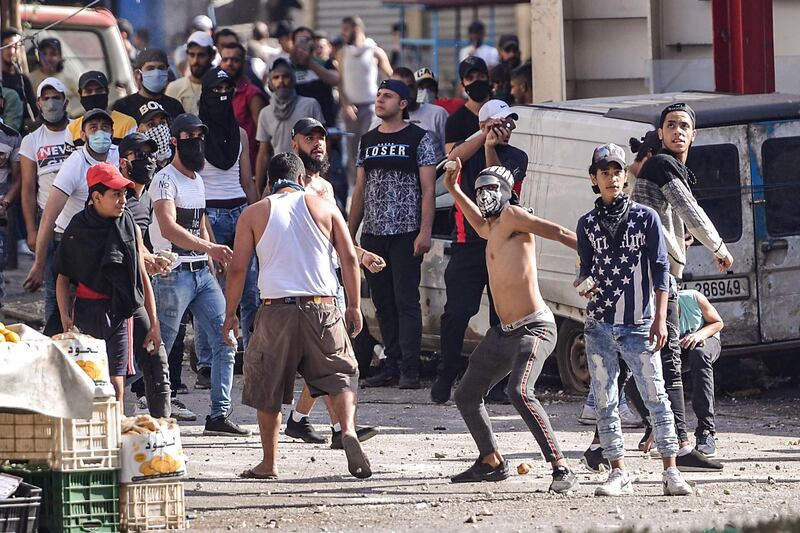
(617, 484)
(588, 417)
(23, 249)
(181, 412)
(141, 407)
(674, 484)
(629, 418)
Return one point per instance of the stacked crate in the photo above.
(75, 462)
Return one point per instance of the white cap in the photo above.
(55, 83)
(202, 22)
(496, 109)
(200, 38)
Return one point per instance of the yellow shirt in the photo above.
(123, 125)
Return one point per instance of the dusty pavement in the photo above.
(421, 445)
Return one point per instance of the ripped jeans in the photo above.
(605, 345)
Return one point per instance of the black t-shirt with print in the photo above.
(393, 195)
(131, 104)
(460, 125)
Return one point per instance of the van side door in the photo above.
(775, 148)
(720, 159)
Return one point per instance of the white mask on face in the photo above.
(425, 96)
(489, 202)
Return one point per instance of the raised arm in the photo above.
(452, 176)
(521, 220)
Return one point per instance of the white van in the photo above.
(747, 161)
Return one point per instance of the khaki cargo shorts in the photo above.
(287, 338)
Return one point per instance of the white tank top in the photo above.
(294, 257)
(360, 73)
(222, 184)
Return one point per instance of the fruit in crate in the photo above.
(91, 369)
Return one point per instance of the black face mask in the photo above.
(220, 105)
(94, 101)
(142, 170)
(314, 166)
(479, 90)
(192, 153)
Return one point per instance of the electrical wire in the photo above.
(51, 25)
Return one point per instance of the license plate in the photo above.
(721, 289)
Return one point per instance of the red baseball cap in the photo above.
(108, 175)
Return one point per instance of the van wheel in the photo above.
(571, 355)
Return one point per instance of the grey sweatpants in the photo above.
(366, 112)
(519, 354)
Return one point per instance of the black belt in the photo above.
(299, 300)
(193, 266)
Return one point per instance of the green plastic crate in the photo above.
(74, 502)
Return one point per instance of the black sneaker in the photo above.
(363, 433)
(221, 426)
(594, 460)
(482, 472)
(497, 396)
(303, 430)
(182, 389)
(387, 377)
(203, 378)
(695, 461)
(442, 387)
(563, 480)
(409, 380)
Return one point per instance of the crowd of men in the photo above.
(225, 192)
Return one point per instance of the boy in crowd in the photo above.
(624, 272)
(100, 252)
(526, 335)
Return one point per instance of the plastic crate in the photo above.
(29, 437)
(21, 512)
(74, 502)
(152, 506)
(65, 444)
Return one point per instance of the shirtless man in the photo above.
(299, 327)
(526, 335)
(309, 142)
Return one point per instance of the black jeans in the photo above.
(671, 366)
(701, 362)
(175, 357)
(395, 293)
(465, 278)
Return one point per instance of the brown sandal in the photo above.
(252, 474)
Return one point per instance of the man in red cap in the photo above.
(100, 253)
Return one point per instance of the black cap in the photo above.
(147, 111)
(9, 32)
(133, 141)
(476, 27)
(507, 41)
(398, 87)
(150, 54)
(304, 126)
(92, 75)
(95, 113)
(283, 63)
(472, 63)
(214, 77)
(50, 42)
(282, 29)
(186, 122)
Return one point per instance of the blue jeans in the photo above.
(223, 224)
(605, 345)
(199, 292)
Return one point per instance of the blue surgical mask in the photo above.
(100, 142)
(154, 80)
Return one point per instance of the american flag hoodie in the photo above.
(627, 266)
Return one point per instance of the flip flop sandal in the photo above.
(357, 462)
(252, 474)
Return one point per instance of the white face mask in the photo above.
(425, 96)
(489, 202)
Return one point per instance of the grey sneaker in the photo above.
(203, 378)
(180, 412)
(706, 444)
(564, 480)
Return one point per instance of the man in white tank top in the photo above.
(299, 327)
(359, 62)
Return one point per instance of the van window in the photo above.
(719, 187)
(82, 50)
(781, 166)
